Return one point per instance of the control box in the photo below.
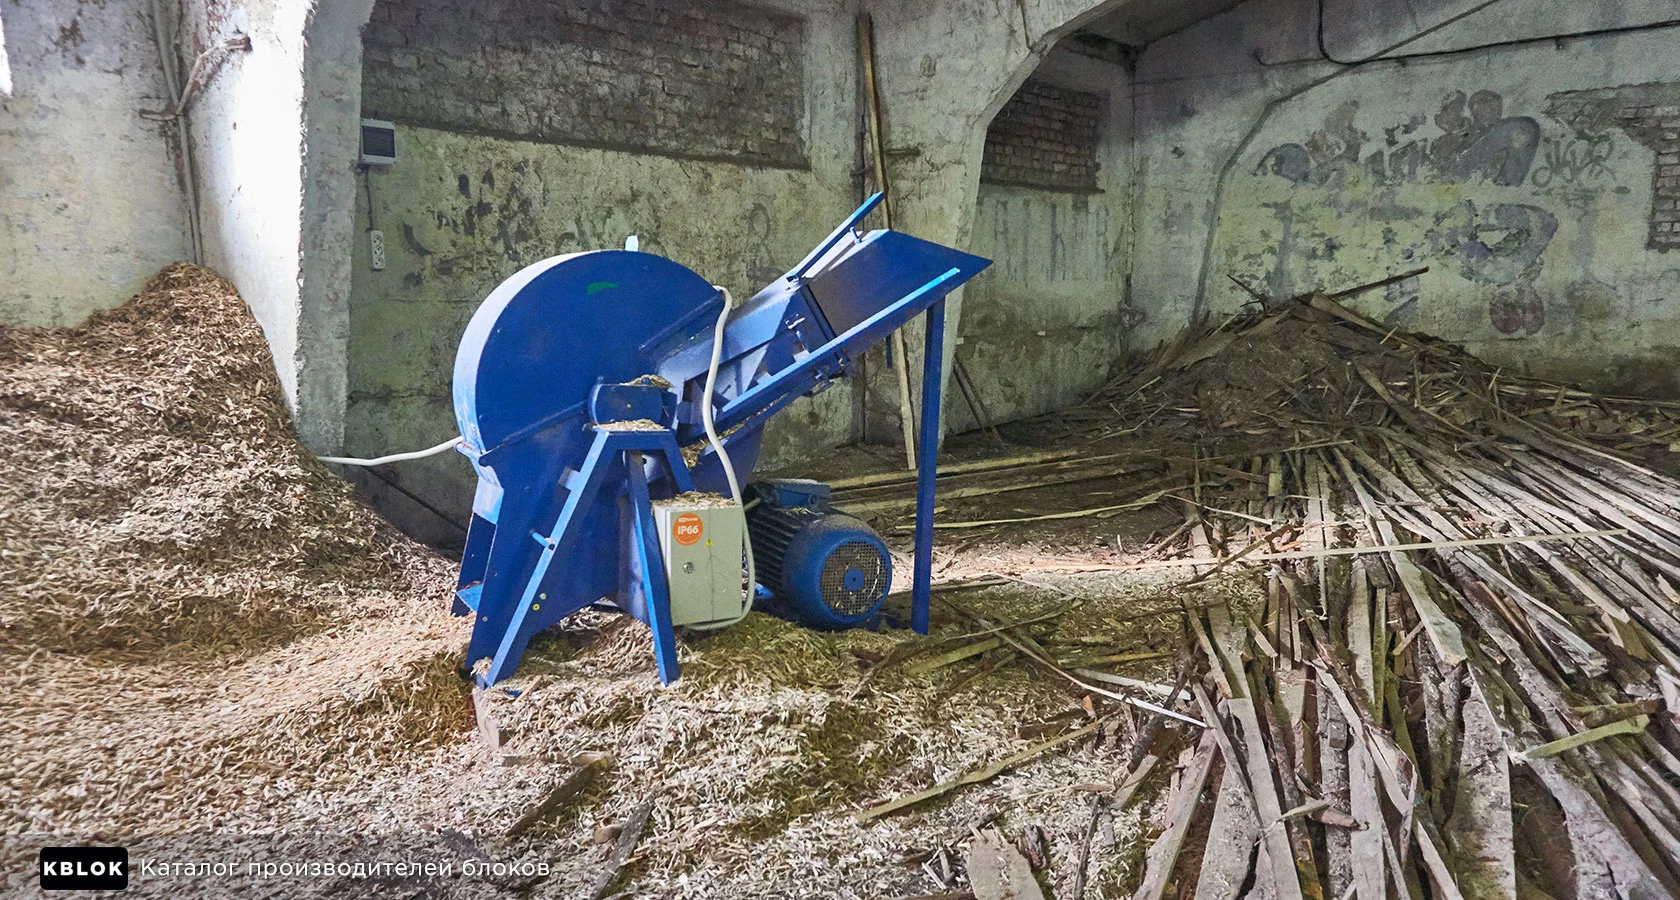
(700, 537)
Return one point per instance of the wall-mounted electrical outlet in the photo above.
(376, 250)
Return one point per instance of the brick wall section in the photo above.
(1658, 127)
(708, 80)
(1045, 136)
(1650, 114)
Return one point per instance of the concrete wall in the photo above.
(946, 70)
(1537, 181)
(738, 183)
(1042, 325)
(735, 181)
(274, 139)
(91, 199)
(725, 136)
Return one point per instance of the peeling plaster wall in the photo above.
(1042, 325)
(274, 167)
(466, 206)
(91, 202)
(274, 139)
(462, 211)
(1537, 182)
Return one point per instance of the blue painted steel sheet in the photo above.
(546, 541)
(524, 372)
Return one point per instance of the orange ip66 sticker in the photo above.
(688, 528)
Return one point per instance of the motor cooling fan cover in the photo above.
(855, 576)
(825, 569)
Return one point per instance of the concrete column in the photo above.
(944, 71)
(332, 103)
(275, 139)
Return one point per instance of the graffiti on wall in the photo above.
(1477, 142)
(1578, 160)
(1442, 186)
(1496, 244)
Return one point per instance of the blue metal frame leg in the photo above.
(581, 487)
(645, 541)
(927, 467)
(556, 543)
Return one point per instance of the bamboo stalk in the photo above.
(985, 773)
(878, 152)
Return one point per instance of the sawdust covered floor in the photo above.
(215, 655)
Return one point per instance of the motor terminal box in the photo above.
(700, 537)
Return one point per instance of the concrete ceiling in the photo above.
(1142, 21)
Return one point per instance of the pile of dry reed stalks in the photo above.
(1488, 710)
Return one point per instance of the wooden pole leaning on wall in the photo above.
(901, 360)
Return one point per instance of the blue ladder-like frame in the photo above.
(581, 486)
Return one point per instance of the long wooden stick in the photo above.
(589, 765)
(1138, 765)
(623, 847)
(1073, 476)
(972, 394)
(1139, 503)
(901, 362)
(1181, 809)
(1363, 550)
(899, 479)
(986, 773)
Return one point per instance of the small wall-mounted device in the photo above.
(376, 250)
(379, 143)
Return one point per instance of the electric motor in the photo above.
(823, 568)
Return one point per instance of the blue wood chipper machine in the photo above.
(613, 404)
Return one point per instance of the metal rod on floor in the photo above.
(901, 359)
(933, 361)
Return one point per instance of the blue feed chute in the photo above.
(580, 381)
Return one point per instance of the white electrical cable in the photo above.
(723, 457)
(711, 437)
(450, 444)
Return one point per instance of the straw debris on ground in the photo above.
(1464, 679)
(209, 636)
(216, 652)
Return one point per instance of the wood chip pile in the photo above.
(156, 501)
(213, 651)
(1424, 614)
(195, 616)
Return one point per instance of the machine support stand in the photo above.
(608, 446)
(574, 406)
(927, 468)
(645, 541)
